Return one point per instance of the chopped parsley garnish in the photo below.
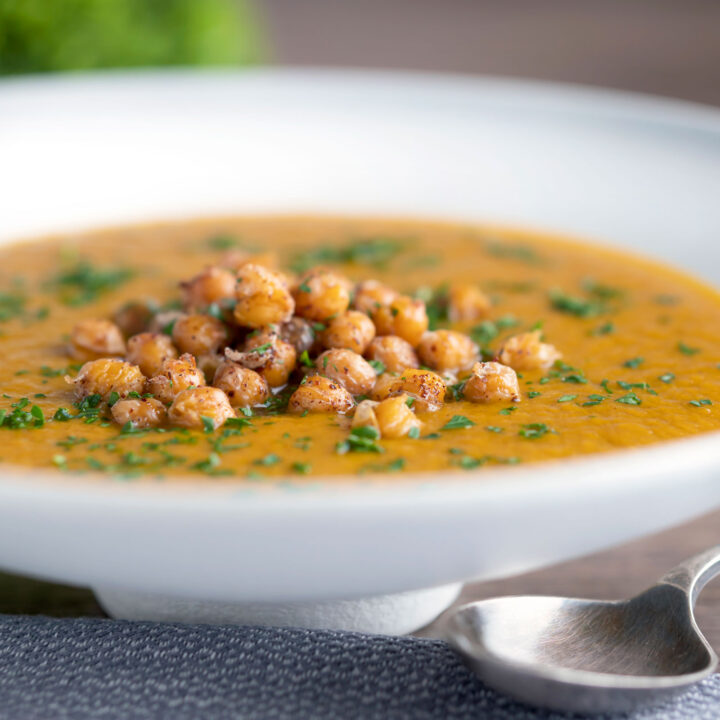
(667, 377)
(484, 333)
(573, 305)
(510, 251)
(301, 468)
(630, 399)
(534, 394)
(634, 362)
(508, 410)
(305, 359)
(494, 428)
(606, 329)
(414, 433)
(360, 439)
(686, 349)
(378, 366)
(593, 400)
(566, 398)
(604, 292)
(208, 424)
(458, 422)
(84, 283)
(374, 251)
(22, 416)
(606, 386)
(533, 431)
(222, 242)
(269, 460)
(700, 403)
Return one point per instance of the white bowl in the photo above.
(113, 148)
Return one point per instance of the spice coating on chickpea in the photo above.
(198, 334)
(426, 388)
(319, 394)
(527, 352)
(467, 303)
(262, 297)
(351, 370)
(141, 412)
(106, 376)
(192, 406)
(321, 294)
(352, 330)
(276, 358)
(212, 285)
(492, 382)
(393, 352)
(447, 350)
(244, 387)
(176, 375)
(149, 351)
(96, 338)
(395, 417)
(405, 317)
(299, 333)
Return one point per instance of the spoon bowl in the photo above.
(590, 655)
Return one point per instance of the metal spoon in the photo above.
(591, 655)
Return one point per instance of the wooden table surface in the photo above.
(659, 46)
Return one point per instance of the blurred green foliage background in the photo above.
(48, 35)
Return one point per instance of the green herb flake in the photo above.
(700, 403)
(630, 399)
(208, 424)
(458, 422)
(687, 350)
(566, 398)
(360, 439)
(84, 283)
(305, 359)
(494, 428)
(301, 468)
(378, 366)
(572, 305)
(634, 362)
(534, 394)
(606, 329)
(533, 431)
(667, 377)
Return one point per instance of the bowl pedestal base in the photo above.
(396, 614)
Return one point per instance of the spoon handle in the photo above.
(692, 575)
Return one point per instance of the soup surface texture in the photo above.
(639, 345)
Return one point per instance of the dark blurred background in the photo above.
(668, 47)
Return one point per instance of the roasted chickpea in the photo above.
(299, 333)
(445, 350)
(320, 394)
(277, 358)
(321, 294)
(365, 415)
(393, 352)
(96, 338)
(351, 370)
(175, 376)
(149, 351)
(352, 330)
(141, 412)
(425, 387)
(395, 418)
(106, 376)
(135, 317)
(491, 382)
(405, 317)
(370, 295)
(192, 405)
(199, 334)
(527, 352)
(262, 297)
(212, 285)
(467, 303)
(244, 387)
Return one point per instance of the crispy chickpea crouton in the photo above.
(351, 370)
(319, 394)
(370, 295)
(395, 418)
(405, 317)
(192, 405)
(393, 352)
(175, 376)
(244, 387)
(321, 294)
(149, 351)
(426, 388)
(212, 285)
(141, 412)
(352, 330)
(447, 350)
(527, 352)
(262, 297)
(492, 382)
(467, 303)
(106, 376)
(96, 338)
(198, 334)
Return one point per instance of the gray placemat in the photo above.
(57, 669)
